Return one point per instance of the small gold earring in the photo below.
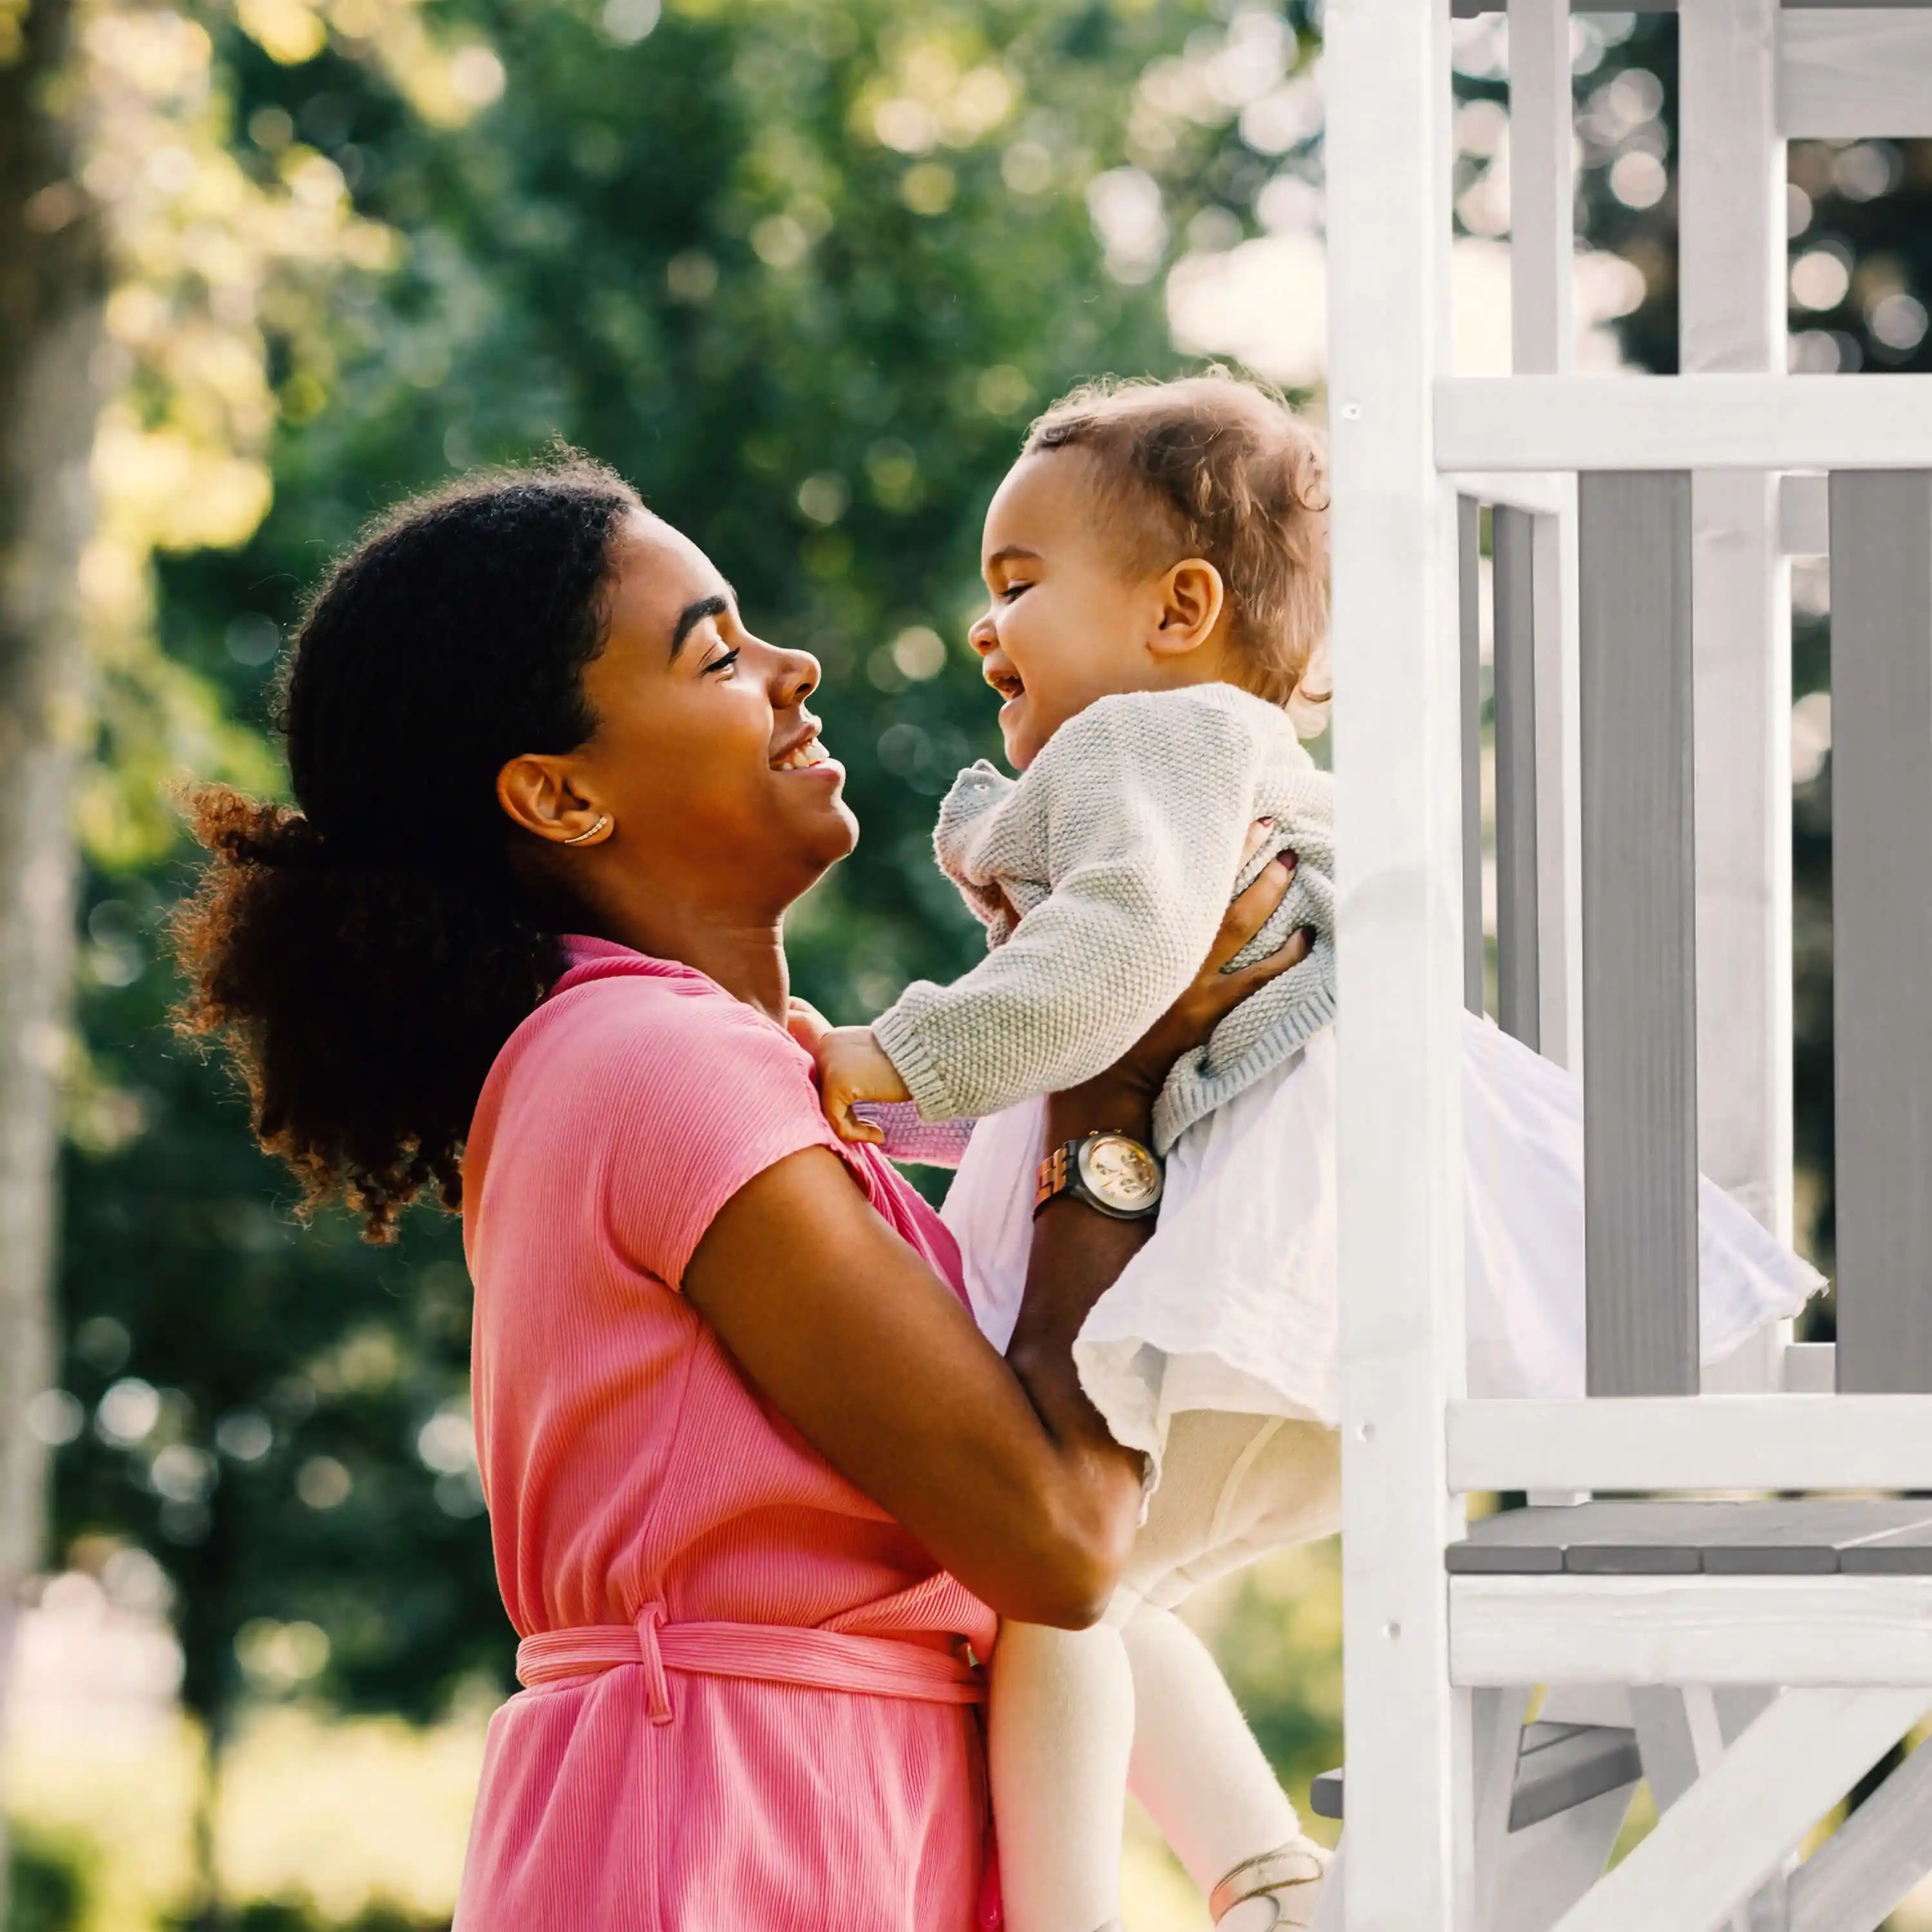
(583, 837)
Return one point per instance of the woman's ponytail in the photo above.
(363, 955)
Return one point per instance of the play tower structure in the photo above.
(1753, 1646)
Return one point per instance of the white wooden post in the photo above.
(1397, 768)
(1731, 283)
(1542, 334)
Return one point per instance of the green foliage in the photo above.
(47, 1882)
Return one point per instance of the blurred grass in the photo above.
(362, 1821)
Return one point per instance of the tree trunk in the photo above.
(52, 288)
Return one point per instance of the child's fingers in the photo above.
(846, 1124)
(1257, 837)
(806, 1024)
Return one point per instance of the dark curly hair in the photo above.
(362, 955)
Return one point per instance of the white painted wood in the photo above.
(1543, 189)
(1804, 515)
(1678, 422)
(1810, 1368)
(1548, 1867)
(1588, 1704)
(1331, 1908)
(1845, 73)
(1806, 1631)
(1545, 496)
(1386, 72)
(1707, 1442)
(1731, 277)
(1853, 1880)
(1496, 1718)
(1711, 1850)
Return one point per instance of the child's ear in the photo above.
(1191, 599)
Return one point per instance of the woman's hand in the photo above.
(1214, 993)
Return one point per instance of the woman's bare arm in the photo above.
(1003, 1469)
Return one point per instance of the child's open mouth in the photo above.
(1006, 684)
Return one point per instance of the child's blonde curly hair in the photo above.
(1216, 466)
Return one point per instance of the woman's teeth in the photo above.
(812, 752)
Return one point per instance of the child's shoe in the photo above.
(1289, 1878)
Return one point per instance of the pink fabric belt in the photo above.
(876, 1666)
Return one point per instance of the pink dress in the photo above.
(690, 1578)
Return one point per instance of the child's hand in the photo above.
(806, 1024)
(852, 1066)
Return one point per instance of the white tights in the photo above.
(1076, 1714)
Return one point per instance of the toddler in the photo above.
(1156, 562)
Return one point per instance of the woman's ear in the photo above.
(1191, 599)
(537, 794)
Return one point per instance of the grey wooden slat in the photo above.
(1640, 949)
(1898, 1552)
(1813, 1536)
(1882, 924)
(1518, 1005)
(1558, 1767)
(1469, 620)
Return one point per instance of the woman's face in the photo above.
(704, 752)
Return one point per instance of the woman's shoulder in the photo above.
(620, 1038)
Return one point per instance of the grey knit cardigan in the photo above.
(1118, 847)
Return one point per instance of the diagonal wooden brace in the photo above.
(1726, 1835)
(1854, 1880)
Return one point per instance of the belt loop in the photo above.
(657, 1686)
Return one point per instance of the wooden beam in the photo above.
(1733, 1829)
(1639, 963)
(1731, 304)
(1707, 1442)
(1802, 1630)
(1677, 422)
(1856, 1878)
(1852, 73)
(1882, 924)
(1399, 944)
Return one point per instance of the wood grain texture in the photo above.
(1808, 1630)
(1804, 1536)
(1399, 947)
(1849, 73)
(1882, 924)
(1717, 1442)
(1734, 1828)
(1681, 422)
(1639, 949)
(1854, 1880)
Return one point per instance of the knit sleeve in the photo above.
(1138, 809)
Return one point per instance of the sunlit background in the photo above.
(803, 269)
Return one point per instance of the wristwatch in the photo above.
(1113, 1173)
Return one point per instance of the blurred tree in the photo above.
(52, 289)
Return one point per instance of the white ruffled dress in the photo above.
(1231, 1303)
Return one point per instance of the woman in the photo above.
(758, 1488)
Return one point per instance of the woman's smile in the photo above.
(804, 751)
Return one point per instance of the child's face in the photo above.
(1067, 626)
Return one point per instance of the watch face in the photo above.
(1120, 1172)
